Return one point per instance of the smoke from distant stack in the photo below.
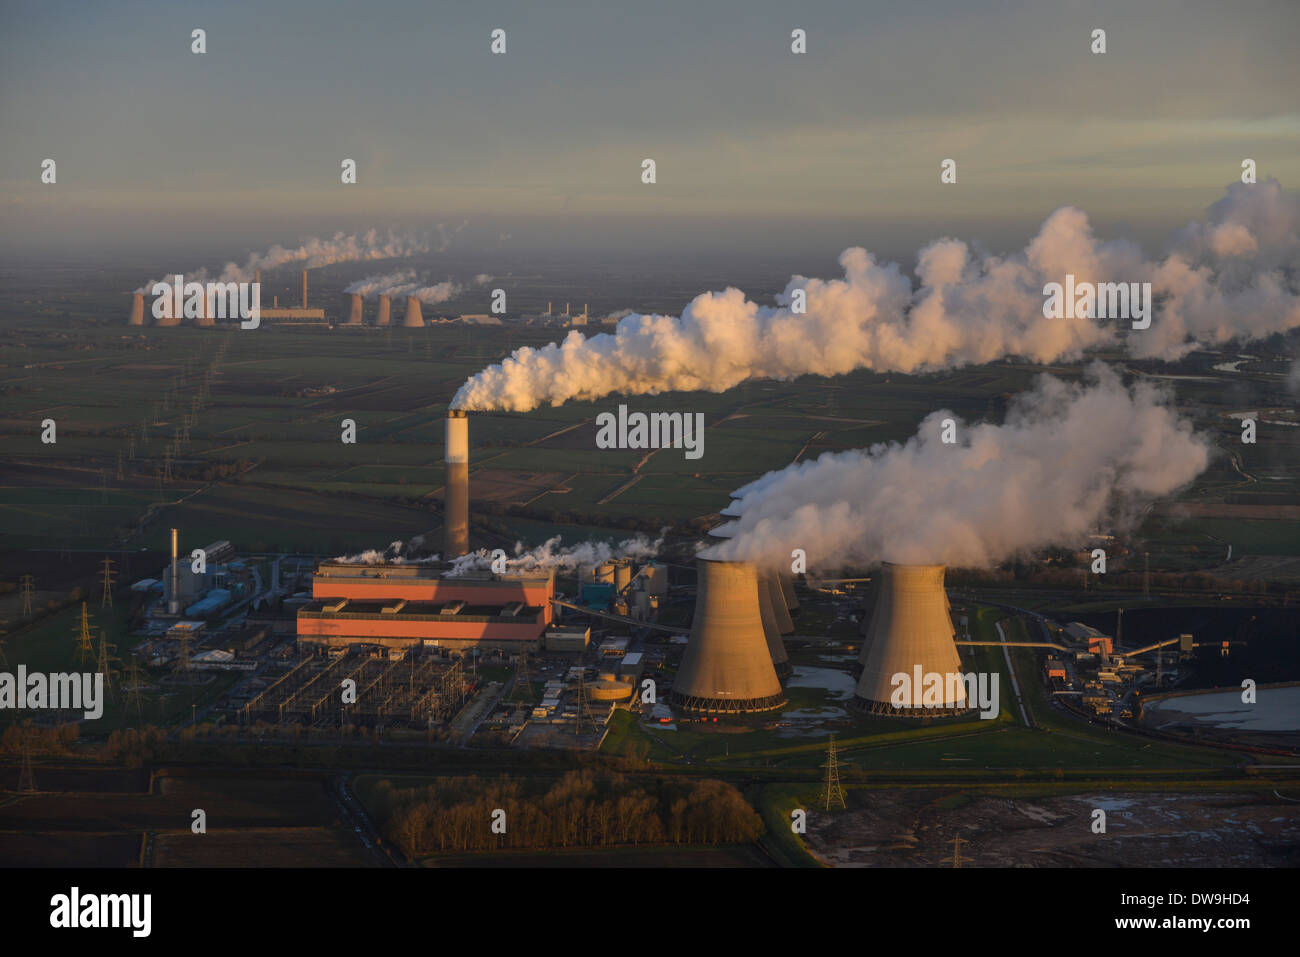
(1237, 275)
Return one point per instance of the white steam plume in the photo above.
(397, 553)
(404, 283)
(1068, 458)
(551, 554)
(1237, 275)
(313, 253)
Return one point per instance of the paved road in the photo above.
(1011, 670)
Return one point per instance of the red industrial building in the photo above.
(412, 606)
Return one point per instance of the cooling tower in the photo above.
(413, 318)
(354, 311)
(784, 623)
(727, 668)
(787, 590)
(204, 317)
(456, 515)
(137, 310)
(384, 307)
(771, 631)
(910, 629)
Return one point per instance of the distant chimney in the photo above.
(174, 598)
(354, 314)
(384, 307)
(413, 320)
(304, 289)
(137, 310)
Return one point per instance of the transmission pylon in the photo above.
(957, 842)
(522, 691)
(29, 592)
(105, 664)
(85, 648)
(833, 793)
(107, 575)
(27, 776)
(585, 714)
(132, 688)
(120, 475)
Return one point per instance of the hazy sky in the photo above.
(756, 147)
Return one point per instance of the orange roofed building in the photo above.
(412, 606)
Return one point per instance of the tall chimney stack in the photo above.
(456, 510)
(304, 289)
(137, 310)
(727, 667)
(354, 314)
(174, 599)
(385, 306)
(413, 320)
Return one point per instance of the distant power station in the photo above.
(911, 627)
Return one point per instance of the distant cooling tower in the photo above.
(784, 623)
(787, 590)
(727, 668)
(910, 627)
(771, 631)
(413, 320)
(137, 310)
(384, 307)
(456, 507)
(354, 311)
(204, 317)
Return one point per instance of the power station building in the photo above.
(418, 606)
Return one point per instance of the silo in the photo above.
(727, 668)
(137, 310)
(354, 311)
(413, 320)
(604, 572)
(385, 307)
(911, 634)
(771, 631)
(622, 574)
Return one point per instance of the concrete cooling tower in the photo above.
(385, 307)
(787, 590)
(910, 627)
(456, 515)
(354, 311)
(413, 320)
(784, 623)
(727, 668)
(137, 310)
(771, 631)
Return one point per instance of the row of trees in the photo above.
(583, 809)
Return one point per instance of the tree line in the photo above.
(583, 809)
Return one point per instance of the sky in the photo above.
(757, 149)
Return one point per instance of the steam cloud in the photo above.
(397, 553)
(550, 554)
(1068, 458)
(313, 253)
(1234, 276)
(403, 283)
